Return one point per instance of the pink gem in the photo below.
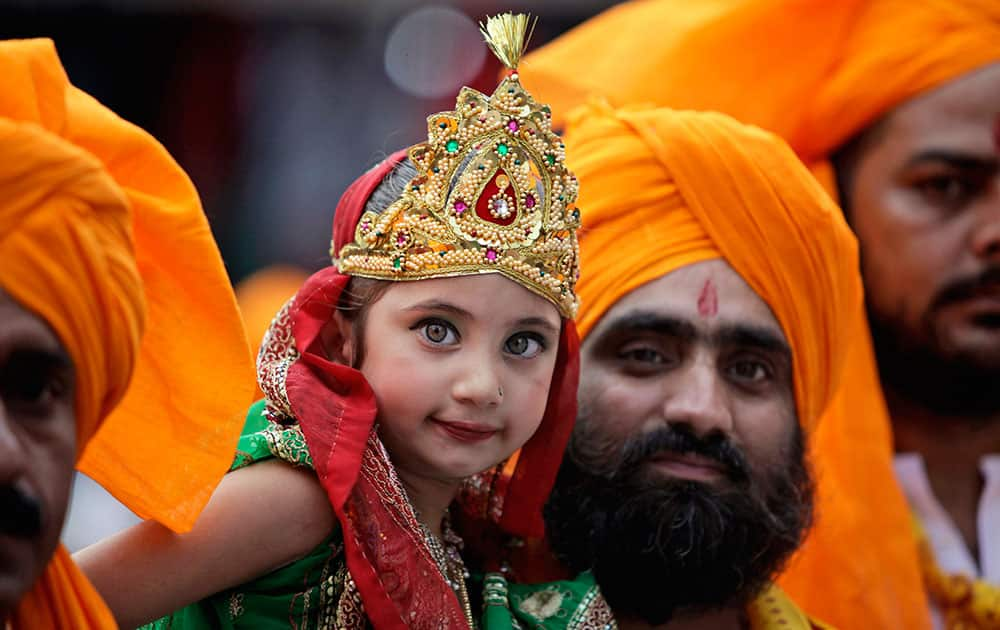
(460, 207)
(491, 255)
(401, 238)
(529, 201)
(512, 125)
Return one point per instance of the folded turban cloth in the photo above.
(103, 236)
(816, 73)
(662, 189)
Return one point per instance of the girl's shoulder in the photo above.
(262, 439)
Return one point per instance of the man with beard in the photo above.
(719, 282)
(894, 105)
(103, 332)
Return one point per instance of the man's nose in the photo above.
(697, 397)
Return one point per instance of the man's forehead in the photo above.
(708, 294)
(959, 114)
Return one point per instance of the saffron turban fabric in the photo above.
(103, 236)
(816, 73)
(662, 189)
(812, 71)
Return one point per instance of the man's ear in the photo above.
(338, 339)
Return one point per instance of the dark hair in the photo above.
(361, 293)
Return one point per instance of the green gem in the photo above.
(397, 263)
(576, 214)
(416, 188)
(437, 170)
(551, 159)
(452, 146)
(502, 149)
(443, 125)
(562, 198)
(518, 162)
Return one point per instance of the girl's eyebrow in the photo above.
(438, 305)
(538, 322)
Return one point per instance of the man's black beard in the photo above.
(20, 515)
(660, 547)
(919, 371)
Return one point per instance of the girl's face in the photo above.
(461, 369)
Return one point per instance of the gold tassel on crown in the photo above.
(492, 193)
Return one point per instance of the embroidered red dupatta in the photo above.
(397, 578)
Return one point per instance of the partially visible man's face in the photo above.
(924, 199)
(37, 446)
(684, 487)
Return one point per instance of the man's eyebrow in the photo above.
(747, 335)
(650, 322)
(955, 159)
(439, 305)
(24, 357)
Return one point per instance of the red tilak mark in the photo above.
(708, 301)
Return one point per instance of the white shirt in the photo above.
(950, 551)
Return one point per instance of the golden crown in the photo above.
(492, 193)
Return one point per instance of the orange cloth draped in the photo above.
(661, 189)
(816, 73)
(103, 236)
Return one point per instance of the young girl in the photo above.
(439, 343)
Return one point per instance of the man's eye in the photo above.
(642, 355)
(31, 386)
(750, 371)
(438, 332)
(947, 191)
(525, 345)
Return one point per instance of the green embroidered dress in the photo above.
(304, 594)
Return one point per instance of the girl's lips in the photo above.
(466, 431)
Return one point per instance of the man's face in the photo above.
(684, 486)
(924, 199)
(37, 446)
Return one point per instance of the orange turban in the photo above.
(816, 73)
(812, 71)
(662, 189)
(103, 236)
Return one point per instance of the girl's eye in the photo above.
(438, 332)
(525, 345)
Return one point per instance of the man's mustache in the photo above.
(680, 440)
(20, 515)
(969, 287)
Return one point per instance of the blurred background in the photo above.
(272, 107)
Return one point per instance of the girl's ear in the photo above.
(338, 339)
